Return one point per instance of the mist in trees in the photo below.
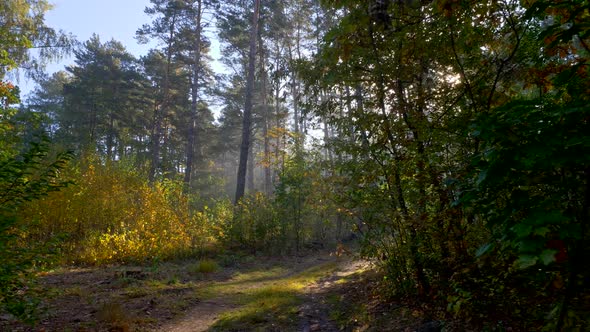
(450, 137)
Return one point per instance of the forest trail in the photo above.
(318, 274)
(201, 317)
(247, 293)
(315, 310)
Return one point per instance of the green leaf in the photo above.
(484, 249)
(542, 231)
(525, 261)
(529, 245)
(522, 230)
(573, 231)
(547, 218)
(548, 256)
(482, 176)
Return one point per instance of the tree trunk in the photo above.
(247, 119)
(160, 112)
(155, 143)
(250, 174)
(265, 120)
(412, 223)
(190, 147)
(295, 94)
(110, 136)
(279, 133)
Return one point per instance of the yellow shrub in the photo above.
(113, 215)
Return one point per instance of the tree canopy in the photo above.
(450, 137)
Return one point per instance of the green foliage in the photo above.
(291, 195)
(532, 190)
(456, 137)
(532, 173)
(22, 28)
(531, 179)
(305, 202)
(30, 176)
(26, 177)
(254, 224)
(9, 95)
(299, 214)
(461, 146)
(28, 168)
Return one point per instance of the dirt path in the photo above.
(259, 293)
(315, 312)
(313, 315)
(201, 317)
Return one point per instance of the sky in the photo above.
(118, 19)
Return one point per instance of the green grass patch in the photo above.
(272, 299)
(347, 313)
(204, 266)
(136, 292)
(241, 282)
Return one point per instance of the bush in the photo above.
(113, 215)
(23, 178)
(206, 266)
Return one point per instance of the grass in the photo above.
(359, 303)
(136, 292)
(274, 304)
(114, 316)
(241, 281)
(265, 294)
(345, 312)
(76, 291)
(204, 266)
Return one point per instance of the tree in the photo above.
(247, 116)
(26, 170)
(401, 123)
(101, 103)
(531, 180)
(179, 26)
(190, 149)
(48, 99)
(164, 28)
(440, 150)
(22, 28)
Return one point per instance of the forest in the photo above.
(440, 148)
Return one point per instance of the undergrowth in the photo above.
(113, 215)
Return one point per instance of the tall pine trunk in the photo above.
(265, 124)
(247, 119)
(250, 171)
(294, 93)
(278, 127)
(155, 142)
(160, 112)
(190, 147)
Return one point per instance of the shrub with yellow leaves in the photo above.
(113, 215)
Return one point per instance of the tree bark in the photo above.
(160, 112)
(294, 93)
(265, 120)
(190, 147)
(277, 107)
(250, 172)
(247, 119)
